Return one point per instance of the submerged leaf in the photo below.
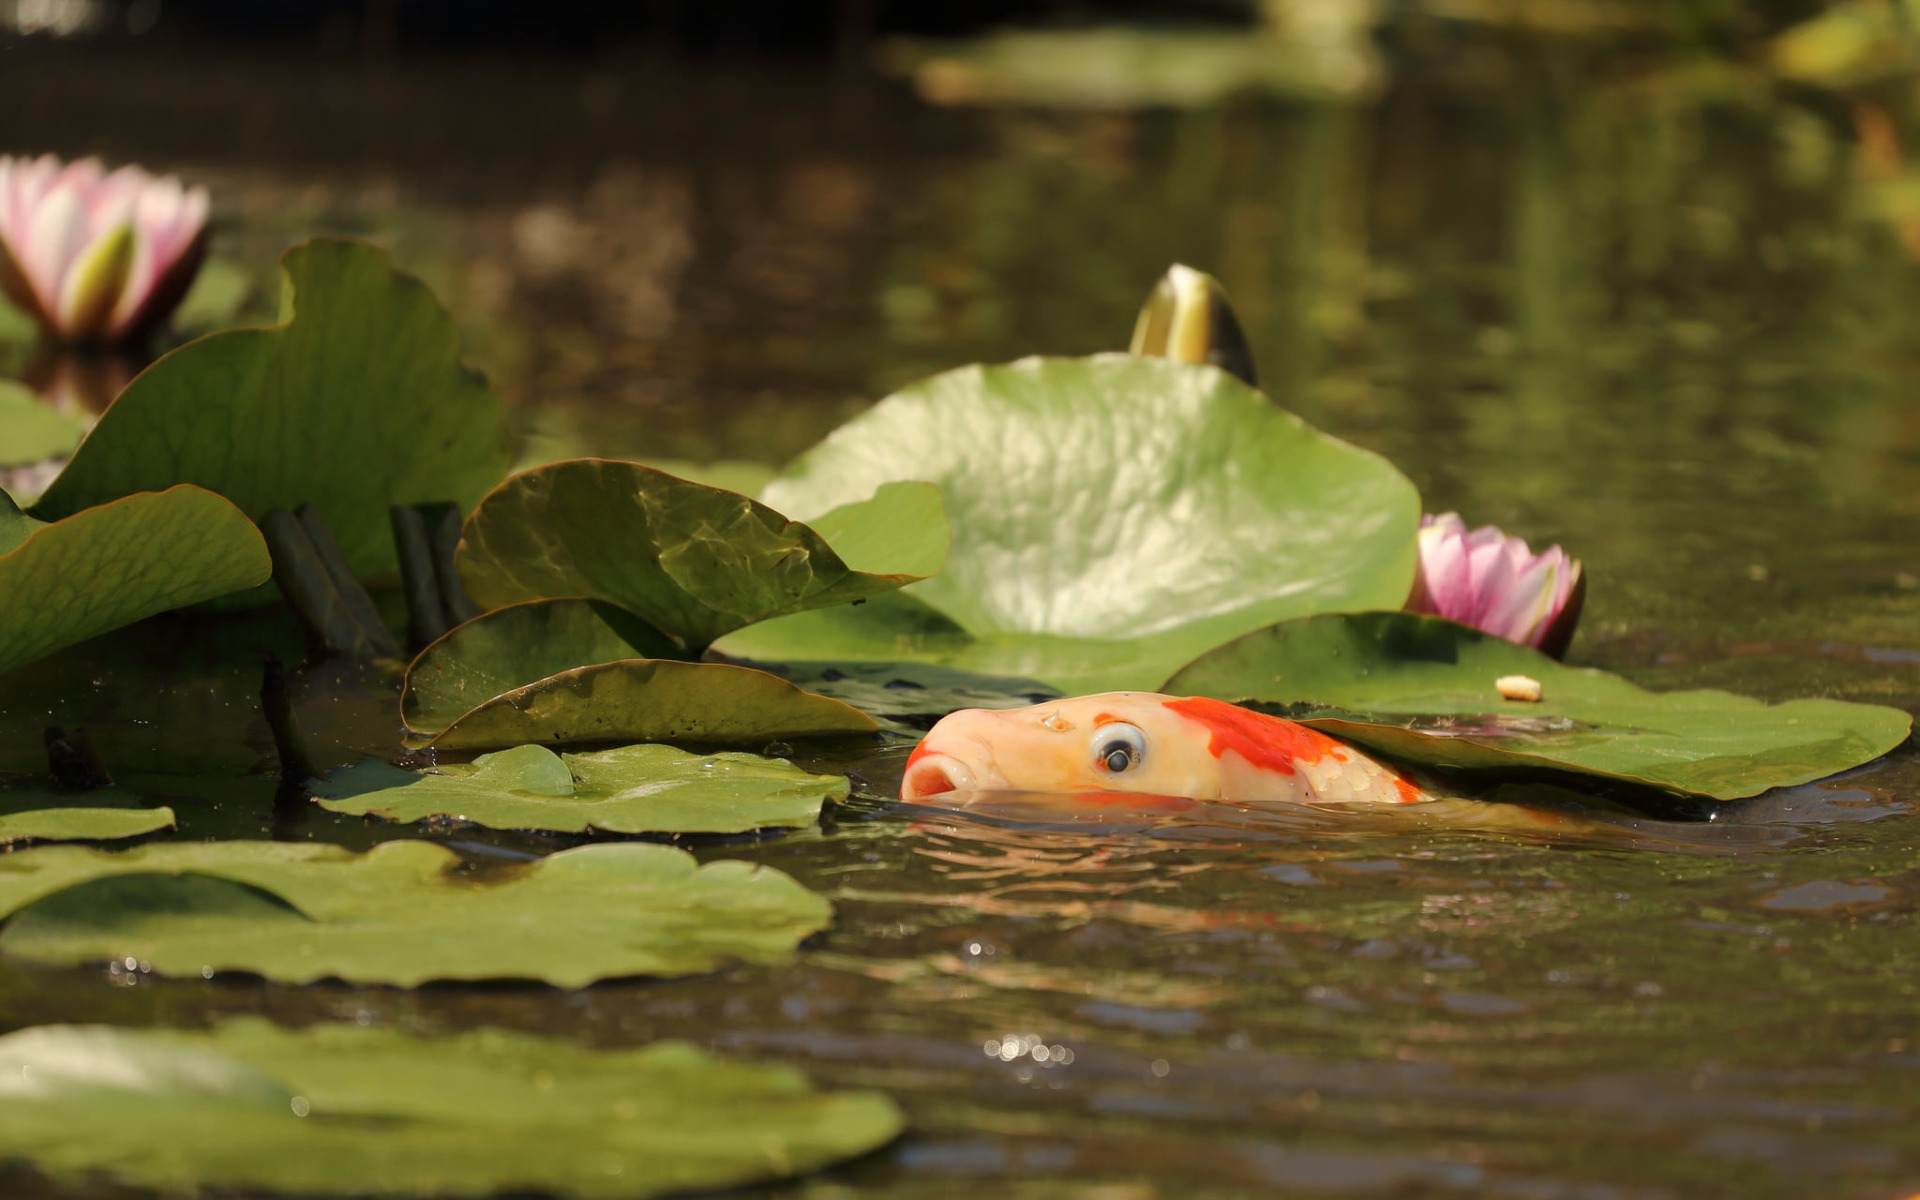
(355, 403)
(340, 1109)
(692, 561)
(1422, 689)
(1112, 516)
(399, 914)
(109, 566)
(633, 789)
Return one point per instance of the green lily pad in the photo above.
(1421, 689)
(356, 402)
(633, 789)
(1111, 517)
(33, 815)
(692, 561)
(649, 700)
(514, 646)
(31, 430)
(340, 1109)
(109, 566)
(400, 914)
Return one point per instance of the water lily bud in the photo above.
(1187, 318)
(96, 256)
(1494, 583)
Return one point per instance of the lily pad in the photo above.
(112, 565)
(517, 645)
(31, 430)
(340, 1109)
(650, 700)
(32, 815)
(693, 561)
(1421, 689)
(399, 914)
(355, 403)
(1111, 517)
(633, 789)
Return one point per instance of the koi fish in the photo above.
(1145, 743)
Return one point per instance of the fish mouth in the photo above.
(934, 774)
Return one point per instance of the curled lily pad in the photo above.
(32, 815)
(1422, 689)
(1154, 506)
(650, 700)
(340, 1109)
(399, 914)
(694, 562)
(109, 566)
(632, 789)
(356, 402)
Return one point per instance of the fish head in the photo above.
(1111, 742)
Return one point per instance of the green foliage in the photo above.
(31, 430)
(1112, 517)
(1421, 689)
(355, 403)
(400, 914)
(33, 815)
(632, 789)
(339, 1109)
(112, 565)
(695, 562)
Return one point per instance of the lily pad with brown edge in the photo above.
(694, 562)
(650, 700)
(36, 815)
(631, 789)
(1422, 690)
(338, 1109)
(511, 647)
(1111, 518)
(108, 566)
(403, 913)
(357, 401)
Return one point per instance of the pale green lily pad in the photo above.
(650, 700)
(340, 1109)
(1111, 517)
(31, 430)
(109, 566)
(693, 561)
(400, 914)
(1421, 689)
(514, 646)
(34, 815)
(355, 403)
(632, 789)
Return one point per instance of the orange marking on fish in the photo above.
(1266, 742)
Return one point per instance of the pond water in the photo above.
(1657, 312)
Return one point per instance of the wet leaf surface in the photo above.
(356, 402)
(1421, 690)
(400, 914)
(340, 1109)
(109, 566)
(692, 561)
(1113, 499)
(633, 789)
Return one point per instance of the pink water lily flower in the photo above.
(97, 256)
(1494, 583)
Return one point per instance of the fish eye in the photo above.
(1118, 746)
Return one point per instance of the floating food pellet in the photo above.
(1518, 687)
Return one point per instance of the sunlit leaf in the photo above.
(692, 561)
(632, 789)
(400, 914)
(1421, 689)
(34, 815)
(340, 1109)
(355, 403)
(109, 566)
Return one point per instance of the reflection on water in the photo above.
(1644, 311)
